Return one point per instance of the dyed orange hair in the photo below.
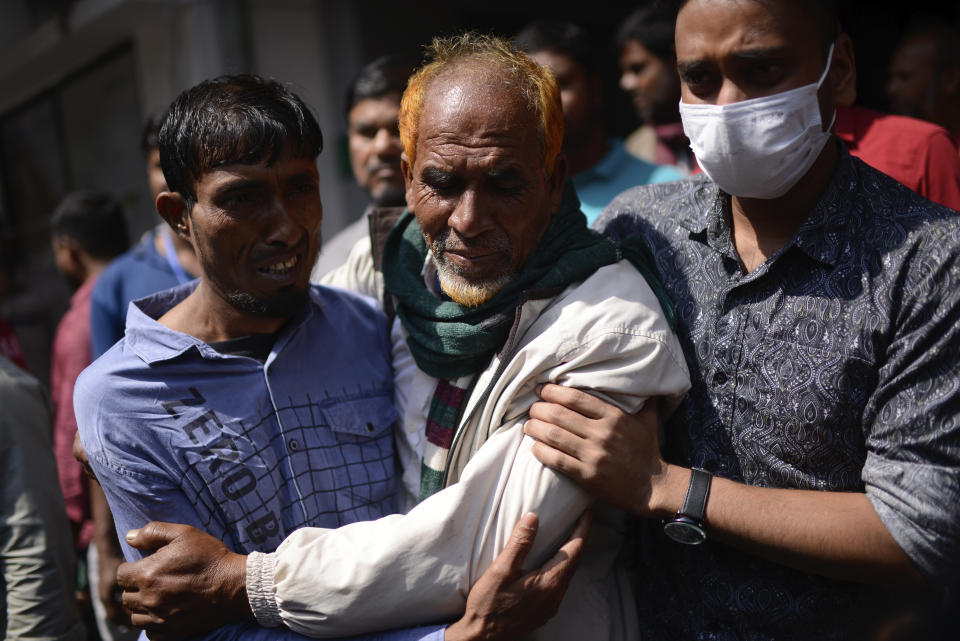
(537, 83)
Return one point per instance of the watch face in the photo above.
(685, 531)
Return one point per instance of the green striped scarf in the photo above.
(453, 343)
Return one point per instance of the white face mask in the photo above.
(759, 148)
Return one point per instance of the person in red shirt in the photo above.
(916, 153)
(88, 229)
(925, 74)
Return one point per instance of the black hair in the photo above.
(94, 220)
(241, 119)
(651, 25)
(824, 13)
(379, 77)
(150, 136)
(558, 36)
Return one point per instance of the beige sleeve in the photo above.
(415, 568)
(357, 273)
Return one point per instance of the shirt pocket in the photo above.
(357, 474)
(362, 418)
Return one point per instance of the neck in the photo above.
(588, 152)
(91, 269)
(207, 315)
(762, 226)
(185, 254)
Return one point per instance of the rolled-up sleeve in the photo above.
(912, 471)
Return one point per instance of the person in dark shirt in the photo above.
(816, 459)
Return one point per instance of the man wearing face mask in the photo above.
(816, 460)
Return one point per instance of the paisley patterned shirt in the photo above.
(833, 366)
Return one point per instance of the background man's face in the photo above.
(375, 148)
(651, 83)
(579, 95)
(912, 88)
(256, 232)
(478, 187)
(731, 50)
(65, 261)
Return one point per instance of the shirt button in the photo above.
(719, 378)
(294, 445)
(368, 427)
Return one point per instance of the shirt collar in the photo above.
(431, 277)
(821, 236)
(154, 342)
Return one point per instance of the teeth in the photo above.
(282, 266)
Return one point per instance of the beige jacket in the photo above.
(605, 335)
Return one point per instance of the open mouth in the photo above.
(283, 266)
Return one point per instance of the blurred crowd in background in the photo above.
(83, 86)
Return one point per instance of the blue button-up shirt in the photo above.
(833, 366)
(244, 450)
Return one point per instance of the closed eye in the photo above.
(440, 181)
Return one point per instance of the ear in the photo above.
(557, 180)
(172, 207)
(407, 171)
(843, 72)
(69, 257)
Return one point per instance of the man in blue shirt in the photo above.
(247, 403)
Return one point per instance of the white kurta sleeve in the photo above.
(419, 567)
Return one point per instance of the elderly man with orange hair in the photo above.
(497, 287)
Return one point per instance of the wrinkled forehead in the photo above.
(476, 100)
(727, 26)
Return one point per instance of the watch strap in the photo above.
(695, 502)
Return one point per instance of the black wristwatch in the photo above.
(688, 525)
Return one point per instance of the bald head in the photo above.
(499, 64)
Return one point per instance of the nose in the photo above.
(730, 93)
(628, 81)
(470, 217)
(285, 224)
(387, 143)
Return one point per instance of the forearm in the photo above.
(835, 534)
(405, 569)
